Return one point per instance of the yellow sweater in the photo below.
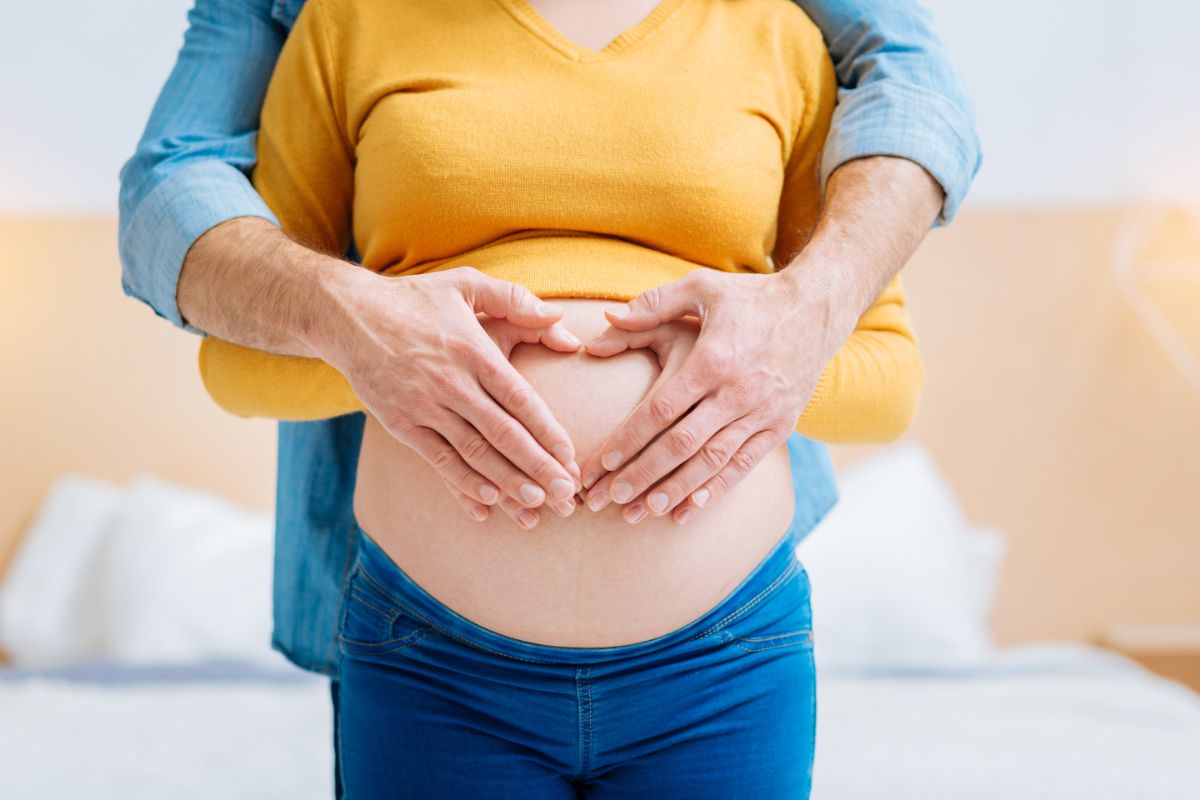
(441, 134)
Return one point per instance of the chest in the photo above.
(661, 146)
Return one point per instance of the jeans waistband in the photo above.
(771, 571)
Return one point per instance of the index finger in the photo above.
(654, 414)
(509, 388)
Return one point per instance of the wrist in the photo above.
(333, 290)
(828, 277)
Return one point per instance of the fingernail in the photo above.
(622, 492)
(619, 311)
(527, 518)
(531, 494)
(657, 502)
(488, 493)
(700, 497)
(562, 453)
(612, 459)
(564, 508)
(597, 500)
(636, 512)
(571, 338)
(684, 516)
(562, 488)
(479, 513)
(591, 478)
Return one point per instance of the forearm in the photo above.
(246, 282)
(876, 213)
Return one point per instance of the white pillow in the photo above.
(899, 578)
(188, 578)
(51, 601)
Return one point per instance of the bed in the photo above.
(1048, 721)
(137, 617)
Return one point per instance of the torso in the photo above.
(591, 579)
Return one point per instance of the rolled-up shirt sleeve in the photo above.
(189, 171)
(900, 93)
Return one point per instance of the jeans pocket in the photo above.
(372, 622)
(783, 619)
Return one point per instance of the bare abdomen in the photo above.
(592, 579)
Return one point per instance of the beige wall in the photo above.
(94, 381)
(1058, 417)
(1052, 411)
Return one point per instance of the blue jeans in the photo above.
(435, 706)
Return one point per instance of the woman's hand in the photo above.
(763, 341)
(416, 354)
(506, 335)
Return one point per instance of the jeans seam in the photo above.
(807, 632)
(396, 644)
(444, 632)
(751, 603)
(583, 689)
(389, 614)
(801, 641)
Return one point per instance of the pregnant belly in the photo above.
(591, 579)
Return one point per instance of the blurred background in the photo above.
(1048, 496)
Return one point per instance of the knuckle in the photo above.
(738, 393)
(642, 475)
(743, 460)
(506, 432)
(520, 398)
(651, 299)
(462, 350)
(447, 380)
(715, 455)
(681, 441)
(516, 295)
(475, 448)
(662, 409)
(717, 361)
(442, 458)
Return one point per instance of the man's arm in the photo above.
(900, 155)
(202, 248)
(187, 174)
(900, 94)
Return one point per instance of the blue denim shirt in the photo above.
(900, 95)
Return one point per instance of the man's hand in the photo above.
(412, 348)
(764, 341)
(416, 354)
(737, 395)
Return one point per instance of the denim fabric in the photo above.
(435, 706)
(900, 96)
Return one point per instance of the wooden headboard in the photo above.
(1053, 412)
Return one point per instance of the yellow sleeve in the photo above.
(305, 173)
(868, 392)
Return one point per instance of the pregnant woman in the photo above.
(586, 656)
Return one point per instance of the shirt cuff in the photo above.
(190, 201)
(892, 118)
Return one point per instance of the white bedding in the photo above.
(1059, 722)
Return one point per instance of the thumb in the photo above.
(505, 300)
(658, 305)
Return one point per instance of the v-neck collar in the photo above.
(529, 17)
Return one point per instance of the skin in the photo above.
(458, 401)
(748, 384)
(461, 405)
